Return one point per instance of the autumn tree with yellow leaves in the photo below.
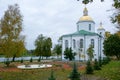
(11, 41)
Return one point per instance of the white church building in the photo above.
(84, 36)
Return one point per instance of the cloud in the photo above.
(54, 18)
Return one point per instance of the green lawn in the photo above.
(110, 71)
(34, 75)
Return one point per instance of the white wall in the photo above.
(85, 26)
(84, 51)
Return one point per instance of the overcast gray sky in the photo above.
(54, 18)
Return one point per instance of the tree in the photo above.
(112, 46)
(116, 16)
(39, 43)
(47, 47)
(90, 52)
(106, 60)
(52, 76)
(69, 54)
(89, 69)
(11, 40)
(75, 75)
(107, 34)
(43, 46)
(88, 1)
(58, 49)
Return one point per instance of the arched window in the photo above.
(81, 43)
(66, 43)
(92, 42)
(74, 43)
(89, 27)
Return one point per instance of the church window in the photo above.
(77, 27)
(74, 43)
(81, 43)
(92, 42)
(89, 27)
(66, 43)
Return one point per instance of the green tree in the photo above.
(107, 34)
(68, 54)
(75, 75)
(52, 76)
(11, 40)
(116, 16)
(112, 46)
(58, 49)
(39, 44)
(43, 46)
(89, 69)
(47, 47)
(90, 52)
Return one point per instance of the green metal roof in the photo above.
(81, 32)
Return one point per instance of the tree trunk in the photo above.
(13, 60)
(118, 57)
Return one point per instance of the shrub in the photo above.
(39, 59)
(7, 62)
(21, 60)
(106, 60)
(89, 69)
(100, 62)
(96, 65)
(31, 60)
(74, 74)
(52, 76)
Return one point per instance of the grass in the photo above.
(36, 74)
(110, 71)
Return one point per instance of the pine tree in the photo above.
(89, 69)
(68, 54)
(96, 65)
(74, 74)
(52, 76)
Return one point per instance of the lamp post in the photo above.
(100, 50)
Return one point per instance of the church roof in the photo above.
(81, 32)
(85, 16)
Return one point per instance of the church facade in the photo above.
(84, 36)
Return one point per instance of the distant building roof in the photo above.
(81, 32)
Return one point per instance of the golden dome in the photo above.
(86, 18)
(100, 27)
